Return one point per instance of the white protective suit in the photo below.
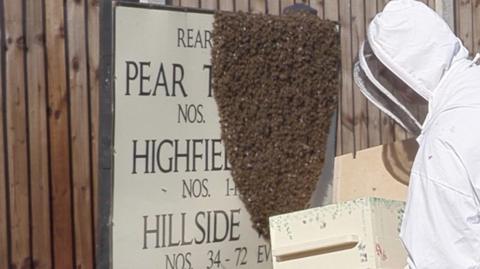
(441, 225)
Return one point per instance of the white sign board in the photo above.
(174, 202)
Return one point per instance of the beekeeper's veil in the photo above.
(408, 49)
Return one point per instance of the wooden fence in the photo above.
(50, 105)
(48, 134)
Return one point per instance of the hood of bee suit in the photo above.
(409, 49)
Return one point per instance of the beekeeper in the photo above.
(412, 58)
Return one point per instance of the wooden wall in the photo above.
(48, 132)
(467, 23)
(49, 121)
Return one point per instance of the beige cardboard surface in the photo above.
(381, 171)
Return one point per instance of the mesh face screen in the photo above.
(275, 81)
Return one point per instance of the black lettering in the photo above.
(198, 40)
(182, 113)
(180, 36)
(200, 227)
(263, 253)
(187, 258)
(184, 243)
(187, 189)
(205, 187)
(163, 83)
(216, 238)
(196, 156)
(155, 231)
(209, 70)
(153, 156)
(164, 223)
(182, 155)
(169, 169)
(131, 76)
(200, 114)
(208, 37)
(234, 223)
(140, 156)
(170, 232)
(226, 164)
(170, 263)
(206, 155)
(208, 226)
(216, 154)
(142, 78)
(190, 38)
(231, 190)
(177, 79)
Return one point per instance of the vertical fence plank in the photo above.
(360, 102)
(59, 135)
(464, 25)
(285, 3)
(400, 133)
(476, 26)
(242, 5)
(17, 135)
(37, 111)
(346, 98)
(227, 5)
(209, 4)
(4, 228)
(80, 142)
(446, 8)
(190, 3)
(381, 4)
(319, 6)
(93, 19)
(331, 10)
(374, 130)
(331, 13)
(258, 6)
(4, 225)
(387, 128)
(273, 7)
(430, 3)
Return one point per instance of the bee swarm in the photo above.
(275, 81)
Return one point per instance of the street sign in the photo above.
(175, 205)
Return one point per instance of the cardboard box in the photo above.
(357, 234)
(381, 171)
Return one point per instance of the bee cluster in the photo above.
(275, 81)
